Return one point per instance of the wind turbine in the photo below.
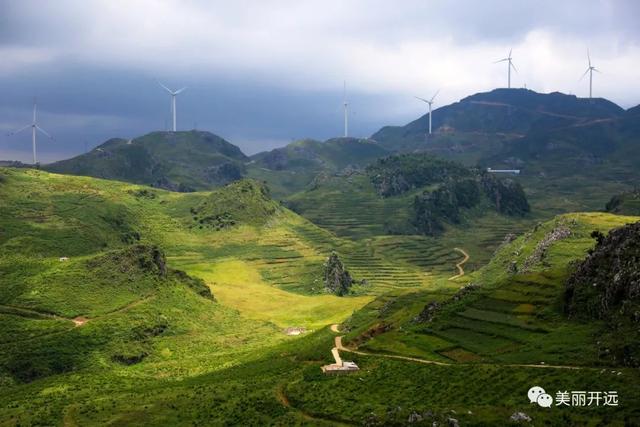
(590, 70)
(34, 127)
(346, 110)
(430, 102)
(173, 101)
(509, 66)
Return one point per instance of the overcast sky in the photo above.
(263, 73)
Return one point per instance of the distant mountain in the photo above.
(607, 143)
(634, 111)
(334, 154)
(13, 164)
(182, 161)
(292, 168)
(407, 194)
(502, 113)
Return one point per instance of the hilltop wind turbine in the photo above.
(509, 66)
(590, 70)
(173, 101)
(346, 110)
(430, 102)
(34, 127)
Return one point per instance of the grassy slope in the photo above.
(159, 159)
(228, 361)
(293, 168)
(45, 216)
(513, 318)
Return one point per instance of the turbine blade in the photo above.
(502, 60)
(434, 96)
(421, 99)
(178, 91)
(514, 67)
(585, 73)
(43, 131)
(510, 50)
(588, 57)
(19, 130)
(596, 70)
(165, 88)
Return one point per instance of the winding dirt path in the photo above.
(338, 344)
(77, 321)
(460, 264)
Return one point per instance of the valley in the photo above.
(172, 280)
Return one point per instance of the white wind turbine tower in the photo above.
(430, 102)
(509, 66)
(173, 102)
(34, 127)
(346, 110)
(590, 70)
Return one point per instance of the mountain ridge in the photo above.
(182, 161)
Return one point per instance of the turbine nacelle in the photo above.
(510, 65)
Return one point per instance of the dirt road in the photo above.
(460, 264)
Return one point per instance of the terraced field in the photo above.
(350, 207)
(511, 318)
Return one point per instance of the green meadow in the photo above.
(171, 310)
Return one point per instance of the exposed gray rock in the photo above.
(561, 231)
(520, 416)
(337, 279)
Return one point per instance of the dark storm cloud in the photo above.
(263, 73)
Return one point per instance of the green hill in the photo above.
(292, 168)
(179, 161)
(495, 327)
(125, 330)
(511, 310)
(501, 113)
(407, 194)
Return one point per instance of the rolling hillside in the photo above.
(501, 114)
(179, 161)
(294, 167)
(152, 314)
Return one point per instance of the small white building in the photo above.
(340, 367)
(511, 171)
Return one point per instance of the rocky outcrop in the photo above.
(517, 417)
(560, 232)
(606, 287)
(506, 195)
(428, 312)
(608, 280)
(337, 279)
(433, 307)
(395, 175)
(444, 204)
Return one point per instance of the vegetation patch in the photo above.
(398, 174)
(244, 202)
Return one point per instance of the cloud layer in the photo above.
(262, 73)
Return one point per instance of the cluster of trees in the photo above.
(433, 207)
(445, 204)
(395, 175)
